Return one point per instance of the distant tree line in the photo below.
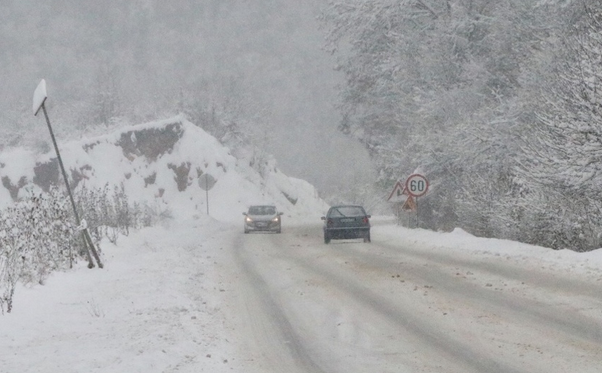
(498, 102)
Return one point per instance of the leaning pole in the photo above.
(39, 100)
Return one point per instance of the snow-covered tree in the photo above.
(566, 145)
(434, 84)
(563, 151)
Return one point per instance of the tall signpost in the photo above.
(39, 100)
(416, 186)
(206, 182)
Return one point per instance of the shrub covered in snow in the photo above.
(36, 238)
(107, 212)
(38, 235)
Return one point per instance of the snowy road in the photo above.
(298, 305)
(204, 297)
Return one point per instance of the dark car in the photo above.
(263, 218)
(346, 221)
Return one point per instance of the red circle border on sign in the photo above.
(425, 189)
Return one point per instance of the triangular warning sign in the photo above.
(398, 191)
(410, 204)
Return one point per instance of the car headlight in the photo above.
(276, 219)
(248, 219)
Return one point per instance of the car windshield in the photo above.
(346, 211)
(262, 210)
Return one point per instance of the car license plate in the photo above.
(347, 220)
(261, 224)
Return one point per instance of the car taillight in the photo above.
(366, 221)
(329, 223)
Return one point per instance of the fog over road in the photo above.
(296, 304)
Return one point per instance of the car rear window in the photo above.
(262, 210)
(346, 211)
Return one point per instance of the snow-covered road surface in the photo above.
(388, 307)
(204, 297)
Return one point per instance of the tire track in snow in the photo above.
(502, 269)
(295, 345)
(537, 312)
(455, 351)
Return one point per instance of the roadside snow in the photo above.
(462, 242)
(154, 308)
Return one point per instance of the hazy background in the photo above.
(255, 67)
(496, 102)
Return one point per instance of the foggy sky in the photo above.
(144, 53)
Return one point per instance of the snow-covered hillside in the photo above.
(160, 163)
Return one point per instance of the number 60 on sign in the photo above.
(417, 185)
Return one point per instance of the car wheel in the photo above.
(326, 238)
(246, 231)
(367, 237)
(279, 230)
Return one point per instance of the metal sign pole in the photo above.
(417, 221)
(207, 196)
(416, 185)
(85, 235)
(206, 182)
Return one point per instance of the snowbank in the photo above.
(159, 163)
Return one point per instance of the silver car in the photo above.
(263, 218)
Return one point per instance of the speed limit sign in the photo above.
(417, 185)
